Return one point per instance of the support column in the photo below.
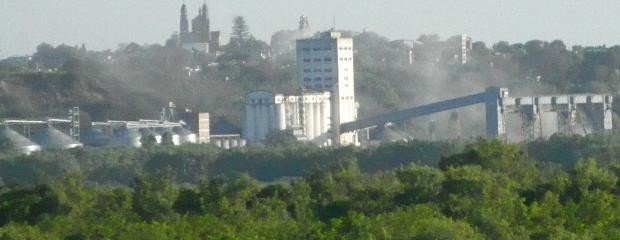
(566, 117)
(532, 122)
(608, 114)
(335, 118)
(536, 120)
(494, 112)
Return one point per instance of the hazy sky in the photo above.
(103, 24)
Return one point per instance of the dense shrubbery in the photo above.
(193, 163)
(484, 190)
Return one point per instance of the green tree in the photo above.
(29, 205)
(240, 31)
(154, 196)
(421, 184)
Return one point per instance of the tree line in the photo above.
(483, 189)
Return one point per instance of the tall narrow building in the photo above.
(184, 24)
(326, 64)
(206, 28)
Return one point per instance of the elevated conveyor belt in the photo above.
(400, 116)
(492, 98)
(598, 108)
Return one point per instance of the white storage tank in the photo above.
(186, 136)
(176, 139)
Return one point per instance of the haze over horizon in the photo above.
(105, 24)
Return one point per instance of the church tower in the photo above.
(184, 24)
(304, 27)
(195, 33)
(205, 23)
(200, 25)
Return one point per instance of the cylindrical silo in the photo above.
(272, 118)
(309, 120)
(325, 116)
(281, 109)
(190, 138)
(135, 138)
(318, 119)
(256, 123)
(158, 138)
(295, 120)
(185, 136)
(263, 121)
(249, 131)
(259, 122)
(176, 139)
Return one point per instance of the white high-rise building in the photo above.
(326, 99)
(326, 64)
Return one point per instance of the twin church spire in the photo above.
(200, 27)
(198, 36)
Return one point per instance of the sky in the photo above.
(104, 24)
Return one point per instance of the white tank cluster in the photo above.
(128, 137)
(185, 136)
(230, 141)
(45, 134)
(134, 133)
(308, 115)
